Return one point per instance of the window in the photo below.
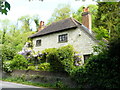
(62, 38)
(86, 57)
(38, 43)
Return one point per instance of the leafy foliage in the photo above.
(61, 59)
(7, 52)
(108, 17)
(93, 9)
(60, 13)
(101, 71)
(7, 66)
(31, 68)
(4, 7)
(25, 23)
(19, 62)
(12, 39)
(44, 67)
(101, 33)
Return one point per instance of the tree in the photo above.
(12, 40)
(4, 29)
(92, 9)
(61, 12)
(36, 20)
(108, 17)
(25, 23)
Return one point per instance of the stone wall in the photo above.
(44, 77)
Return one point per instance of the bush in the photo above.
(53, 59)
(61, 59)
(19, 62)
(31, 68)
(100, 71)
(44, 67)
(60, 84)
(46, 54)
(7, 66)
(7, 52)
(66, 57)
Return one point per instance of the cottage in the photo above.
(64, 32)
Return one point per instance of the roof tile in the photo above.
(57, 26)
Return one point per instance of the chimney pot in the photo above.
(41, 26)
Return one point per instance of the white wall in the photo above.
(82, 43)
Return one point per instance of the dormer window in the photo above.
(38, 43)
(63, 38)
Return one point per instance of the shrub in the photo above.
(7, 66)
(46, 54)
(66, 57)
(31, 68)
(44, 67)
(100, 71)
(7, 52)
(19, 62)
(61, 59)
(53, 58)
(59, 84)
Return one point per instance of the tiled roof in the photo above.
(61, 25)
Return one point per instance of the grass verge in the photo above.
(22, 81)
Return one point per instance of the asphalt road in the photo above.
(15, 86)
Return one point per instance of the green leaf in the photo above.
(4, 11)
(7, 5)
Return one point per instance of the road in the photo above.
(15, 86)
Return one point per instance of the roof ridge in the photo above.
(57, 21)
(77, 21)
(73, 21)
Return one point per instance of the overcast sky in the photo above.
(43, 9)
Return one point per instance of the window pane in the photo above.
(63, 38)
(38, 43)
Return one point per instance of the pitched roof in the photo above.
(61, 25)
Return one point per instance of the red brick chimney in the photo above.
(86, 18)
(41, 26)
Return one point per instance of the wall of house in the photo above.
(80, 40)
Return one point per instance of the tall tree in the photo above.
(36, 19)
(4, 29)
(25, 20)
(108, 17)
(12, 39)
(61, 12)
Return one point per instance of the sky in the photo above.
(37, 7)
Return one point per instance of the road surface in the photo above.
(15, 86)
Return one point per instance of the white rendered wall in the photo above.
(80, 40)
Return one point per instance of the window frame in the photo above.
(86, 56)
(38, 43)
(63, 38)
